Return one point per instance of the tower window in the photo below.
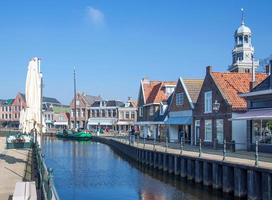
(246, 39)
(240, 40)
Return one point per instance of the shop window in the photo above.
(220, 130)
(208, 130)
(262, 131)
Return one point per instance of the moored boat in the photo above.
(71, 135)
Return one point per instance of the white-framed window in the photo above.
(220, 130)
(127, 115)
(208, 102)
(208, 130)
(141, 111)
(151, 110)
(179, 98)
(197, 131)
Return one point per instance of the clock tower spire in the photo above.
(243, 51)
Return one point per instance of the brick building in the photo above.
(217, 103)
(83, 112)
(180, 116)
(153, 100)
(10, 111)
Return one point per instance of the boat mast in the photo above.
(75, 99)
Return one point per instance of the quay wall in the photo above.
(253, 183)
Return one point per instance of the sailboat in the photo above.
(74, 134)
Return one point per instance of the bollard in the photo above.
(166, 143)
(224, 150)
(181, 145)
(154, 143)
(257, 154)
(49, 183)
(200, 148)
(144, 142)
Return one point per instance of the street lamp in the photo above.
(216, 106)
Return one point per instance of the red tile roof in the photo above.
(153, 91)
(231, 84)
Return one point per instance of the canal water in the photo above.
(91, 170)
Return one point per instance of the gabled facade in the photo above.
(153, 100)
(83, 111)
(180, 115)
(217, 103)
(127, 116)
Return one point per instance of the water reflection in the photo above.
(90, 170)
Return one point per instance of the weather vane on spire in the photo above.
(243, 20)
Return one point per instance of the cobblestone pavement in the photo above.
(239, 157)
(12, 168)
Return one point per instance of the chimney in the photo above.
(208, 69)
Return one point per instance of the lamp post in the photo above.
(216, 107)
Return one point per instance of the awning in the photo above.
(149, 123)
(124, 123)
(179, 120)
(61, 123)
(265, 113)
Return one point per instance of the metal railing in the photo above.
(45, 181)
(224, 149)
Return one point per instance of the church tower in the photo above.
(243, 52)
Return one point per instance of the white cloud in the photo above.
(95, 16)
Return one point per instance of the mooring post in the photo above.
(166, 143)
(154, 143)
(224, 150)
(257, 154)
(144, 142)
(181, 145)
(200, 148)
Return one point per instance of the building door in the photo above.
(197, 131)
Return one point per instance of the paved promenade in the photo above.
(242, 158)
(13, 168)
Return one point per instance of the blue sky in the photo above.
(115, 43)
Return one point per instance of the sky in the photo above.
(113, 44)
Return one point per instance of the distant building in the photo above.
(127, 116)
(10, 110)
(61, 117)
(83, 109)
(104, 115)
(153, 100)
